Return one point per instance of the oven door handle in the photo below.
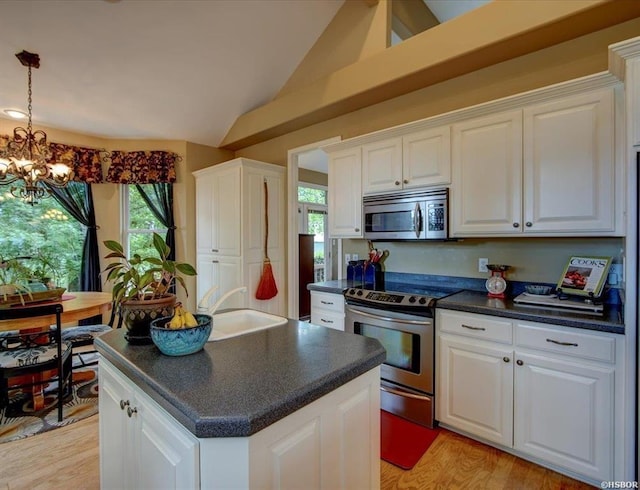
(406, 394)
(389, 319)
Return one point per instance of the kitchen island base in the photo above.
(332, 442)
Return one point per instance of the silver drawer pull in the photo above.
(569, 344)
(131, 411)
(326, 321)
(326, 302)
(473, 328)
(124, 404)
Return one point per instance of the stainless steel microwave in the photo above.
(413, 215)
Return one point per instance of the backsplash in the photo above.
(539, 260)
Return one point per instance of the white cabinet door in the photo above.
(117, 432)
(475, 389)
(564, 413)
(426, 158)
(226, 212)
(486, 186)
(224, 272)
(382, 166)
(141, 446)
(569, 168)
(168, 454)
(345, 193)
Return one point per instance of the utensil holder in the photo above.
(374, 276)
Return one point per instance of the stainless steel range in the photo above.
(401, 318)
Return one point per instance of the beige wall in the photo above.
(531, 259)
(311, 177)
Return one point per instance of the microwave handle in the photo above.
(417, 219)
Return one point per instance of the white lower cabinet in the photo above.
(141, 446)
(544, 392)
(331, 443)
(327, 309)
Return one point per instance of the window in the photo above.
(46, 235)
(140, 223)
(313, 220)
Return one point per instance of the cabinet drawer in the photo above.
(327, 301)
(327, 318)
(477, 326)
(566, 342)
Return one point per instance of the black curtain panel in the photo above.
(159, 198)
(77, 199)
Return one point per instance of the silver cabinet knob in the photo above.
(528, 224)
(124, 404)
(131, 411)
(516, 225)
(397, 182)
(357, 230)
(519, 362)
(506, 359)
(405, 181)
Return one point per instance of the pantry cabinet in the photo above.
(345, 193)
(545, 391)
(548, 169)
(140, 445)
(230, 230)
(418, 159)
(327, 309)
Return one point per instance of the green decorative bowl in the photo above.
(181, 341)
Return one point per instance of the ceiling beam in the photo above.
(454, 48)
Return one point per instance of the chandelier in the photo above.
(27, 156)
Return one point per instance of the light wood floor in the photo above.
(67, 458)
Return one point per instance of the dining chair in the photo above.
(29, 356)
(84, 335)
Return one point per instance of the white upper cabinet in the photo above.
(382, 166)
(548, 169)
(218, 212)
(418, 159)
(569, 170)
(345, 193)
(486, 191)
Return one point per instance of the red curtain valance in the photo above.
(142, 167)
(86, 162)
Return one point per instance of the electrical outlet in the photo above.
(347, 258)
(482, 265)
(355, 257)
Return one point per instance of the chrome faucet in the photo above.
(204, 302)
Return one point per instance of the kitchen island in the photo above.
(290, 404)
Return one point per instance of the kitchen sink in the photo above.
(239, 322)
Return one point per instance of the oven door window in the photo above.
(403, 348)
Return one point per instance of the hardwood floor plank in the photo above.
(69, 458)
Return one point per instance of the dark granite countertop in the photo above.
(336, 287)
(238, 386)
(478, 302)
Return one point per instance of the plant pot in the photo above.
(138, 315)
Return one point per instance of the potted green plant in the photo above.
(141, 286)
(14, 280)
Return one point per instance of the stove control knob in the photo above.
(422, 301)
(359, 292)
(352, 292)
(412, 299)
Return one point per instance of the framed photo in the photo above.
(585, 276)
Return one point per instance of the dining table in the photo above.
(75, 306)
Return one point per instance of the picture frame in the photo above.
(585, 275)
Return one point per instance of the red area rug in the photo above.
(402, 442)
